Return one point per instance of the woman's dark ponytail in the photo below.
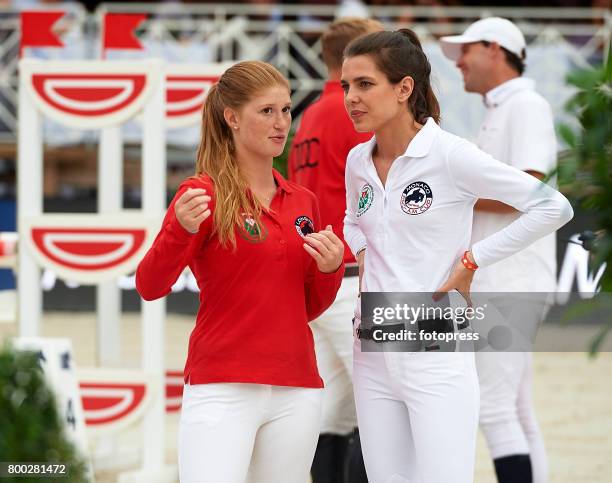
(412, 36)
(400, 54)
(423, 101)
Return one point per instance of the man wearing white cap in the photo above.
(518, 129)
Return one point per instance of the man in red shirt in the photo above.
(317, 161)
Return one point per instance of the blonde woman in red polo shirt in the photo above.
(252, 399)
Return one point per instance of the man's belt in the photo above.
(351, 271)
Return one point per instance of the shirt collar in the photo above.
(421, 143)
(282, 182)
(331, 87)
(499, 94)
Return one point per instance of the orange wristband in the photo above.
(466, 262)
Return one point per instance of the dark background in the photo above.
(185, 302)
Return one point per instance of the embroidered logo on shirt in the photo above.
(304, 225)
(251, 231)
(416, 198)
(305, 154)
(366, 198)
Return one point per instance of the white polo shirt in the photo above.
(418, 225)
(518, 130)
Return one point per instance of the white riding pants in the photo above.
(255, 433)
(507, 414)
(333, 338)
(417, 414)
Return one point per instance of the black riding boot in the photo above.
(513, 469)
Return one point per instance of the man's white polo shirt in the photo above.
(518, 130)
(418, 225)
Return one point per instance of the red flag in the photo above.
(118, 31)
(36, 28)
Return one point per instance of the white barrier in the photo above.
(96, 247)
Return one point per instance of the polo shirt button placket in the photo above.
(385, 214)
(282, 250)
(281, 255)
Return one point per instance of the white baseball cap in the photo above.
(492, 29)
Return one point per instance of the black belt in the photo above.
(428, 325)
(351, 271)
(368, 334)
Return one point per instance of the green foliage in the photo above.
(280, 162)
(585, 170)
(30, 427)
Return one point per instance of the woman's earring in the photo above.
(235, 127)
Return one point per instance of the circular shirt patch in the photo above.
(366, 198)
(304, 225)
(416, 198)
(251, 231)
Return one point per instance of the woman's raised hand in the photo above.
(326, 248)
(191, 209)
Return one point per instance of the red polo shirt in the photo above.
(318, 155)
(256, 301)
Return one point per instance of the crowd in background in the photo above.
(92, 4)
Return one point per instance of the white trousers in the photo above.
(418, 415)
(507, 415)
(333, 338)
(255, 433)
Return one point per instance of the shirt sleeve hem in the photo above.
(477, 256)
(179, 231)
(335, 272)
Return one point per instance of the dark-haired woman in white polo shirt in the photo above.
(410, 197)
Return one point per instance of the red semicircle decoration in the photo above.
(105, 403)
(89, 95)
(88, 248)
(185, 95)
